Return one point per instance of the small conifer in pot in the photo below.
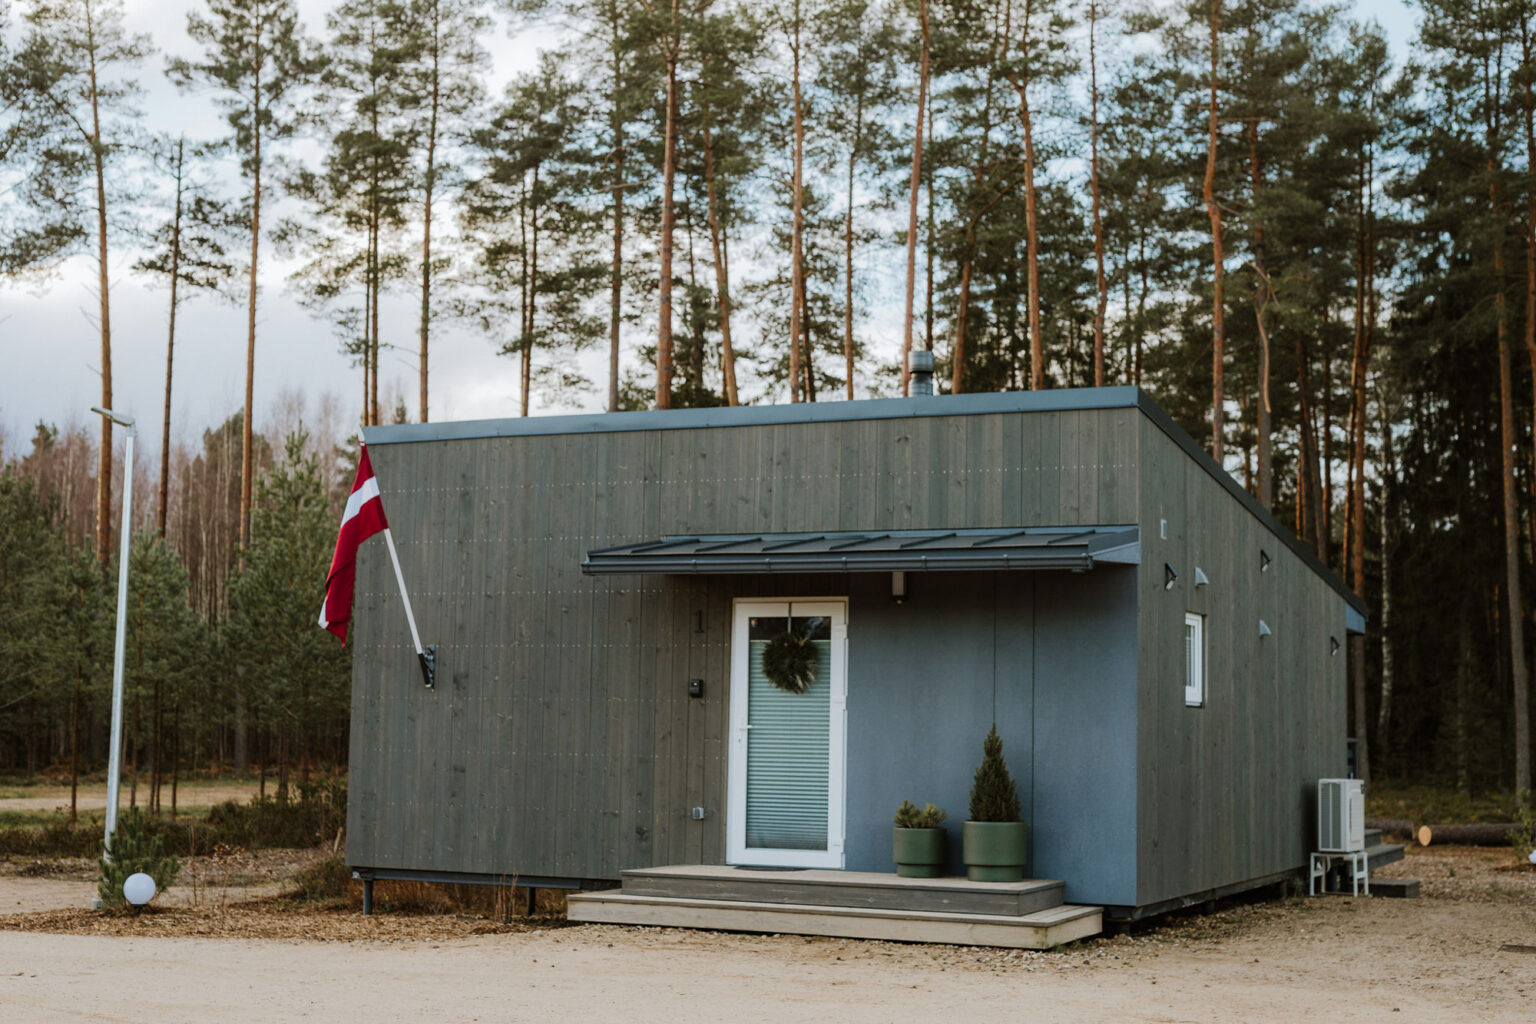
(993, 838)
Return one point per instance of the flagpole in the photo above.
(427, 656)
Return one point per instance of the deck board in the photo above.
(1041, 930)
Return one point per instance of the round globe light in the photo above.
(139, 889)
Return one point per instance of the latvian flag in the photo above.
(363, 518)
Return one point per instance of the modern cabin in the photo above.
(1162, 659)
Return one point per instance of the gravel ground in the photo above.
(1457, 954)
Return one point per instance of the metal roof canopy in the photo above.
(1070, 548)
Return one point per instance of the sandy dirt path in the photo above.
(1331, 959)
(94, 798)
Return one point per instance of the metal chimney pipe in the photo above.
(922, 373)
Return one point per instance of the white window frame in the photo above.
(1194, 672)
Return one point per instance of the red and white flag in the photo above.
(363, 518)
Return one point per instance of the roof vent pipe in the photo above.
(922, 373)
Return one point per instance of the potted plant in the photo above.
(993, 838)
(917, 842)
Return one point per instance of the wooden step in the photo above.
(1382, 854)
(860, 889)
(1395, 888)
(1044, 929)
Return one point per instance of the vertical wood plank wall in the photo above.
(1227, 790)
(561, 740)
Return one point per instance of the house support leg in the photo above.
(367, 897)
(533, 898)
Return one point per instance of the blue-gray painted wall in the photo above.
(1051, 657)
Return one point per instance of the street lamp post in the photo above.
(115, 747)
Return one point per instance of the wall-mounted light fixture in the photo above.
(1264, 560)
(1201, 579)
(898, 586)
(1169, 576)
(1264, 629)
(1333, 646)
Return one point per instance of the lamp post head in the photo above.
(118, 418)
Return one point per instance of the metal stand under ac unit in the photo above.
(1359, 871)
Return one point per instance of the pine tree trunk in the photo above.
(1384, 618)
(526, 378)
(1032, 241)
(1356, 517)
(669, 175)
(1309, 515)
(616, 285)
(1208, 193)
(170, 347)
(917, 180)
(796, 257)
(1261, 296)
(928, 239)
(722, 272)
(104, 461)
(1141, 306)
(176, 759)
(853, 153)
(246, 467)
(1514, 609)
(1098, 219)
(426, 206)
(962, 313)
(74, 742)
(1020, 83)
(376, 270)
(246, 437)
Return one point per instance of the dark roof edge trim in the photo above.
(979, 404)
(1203, 459)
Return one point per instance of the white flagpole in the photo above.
(428, 656)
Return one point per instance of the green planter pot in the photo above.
(994, 851)
(918, 852)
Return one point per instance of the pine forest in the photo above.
(1312, 244)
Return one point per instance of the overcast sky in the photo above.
(50, 348)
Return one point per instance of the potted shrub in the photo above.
(917, 842)
(993, 838)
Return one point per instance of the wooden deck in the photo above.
(847, 904)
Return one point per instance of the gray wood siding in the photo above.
(560, 740)
(1226, 791)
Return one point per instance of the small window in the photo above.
(1194, 660)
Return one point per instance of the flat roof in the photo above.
(980, 404)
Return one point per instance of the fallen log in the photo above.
(1467, 835)
(1391, 826)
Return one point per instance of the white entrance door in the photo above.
(787, 762)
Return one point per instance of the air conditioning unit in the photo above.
(1340, 815)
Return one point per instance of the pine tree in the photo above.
(532, 177)
(189, 250)
(297, 678)
(860, 82)
(257, 60)
(76, 108)
(447, 66)
(362, 191)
